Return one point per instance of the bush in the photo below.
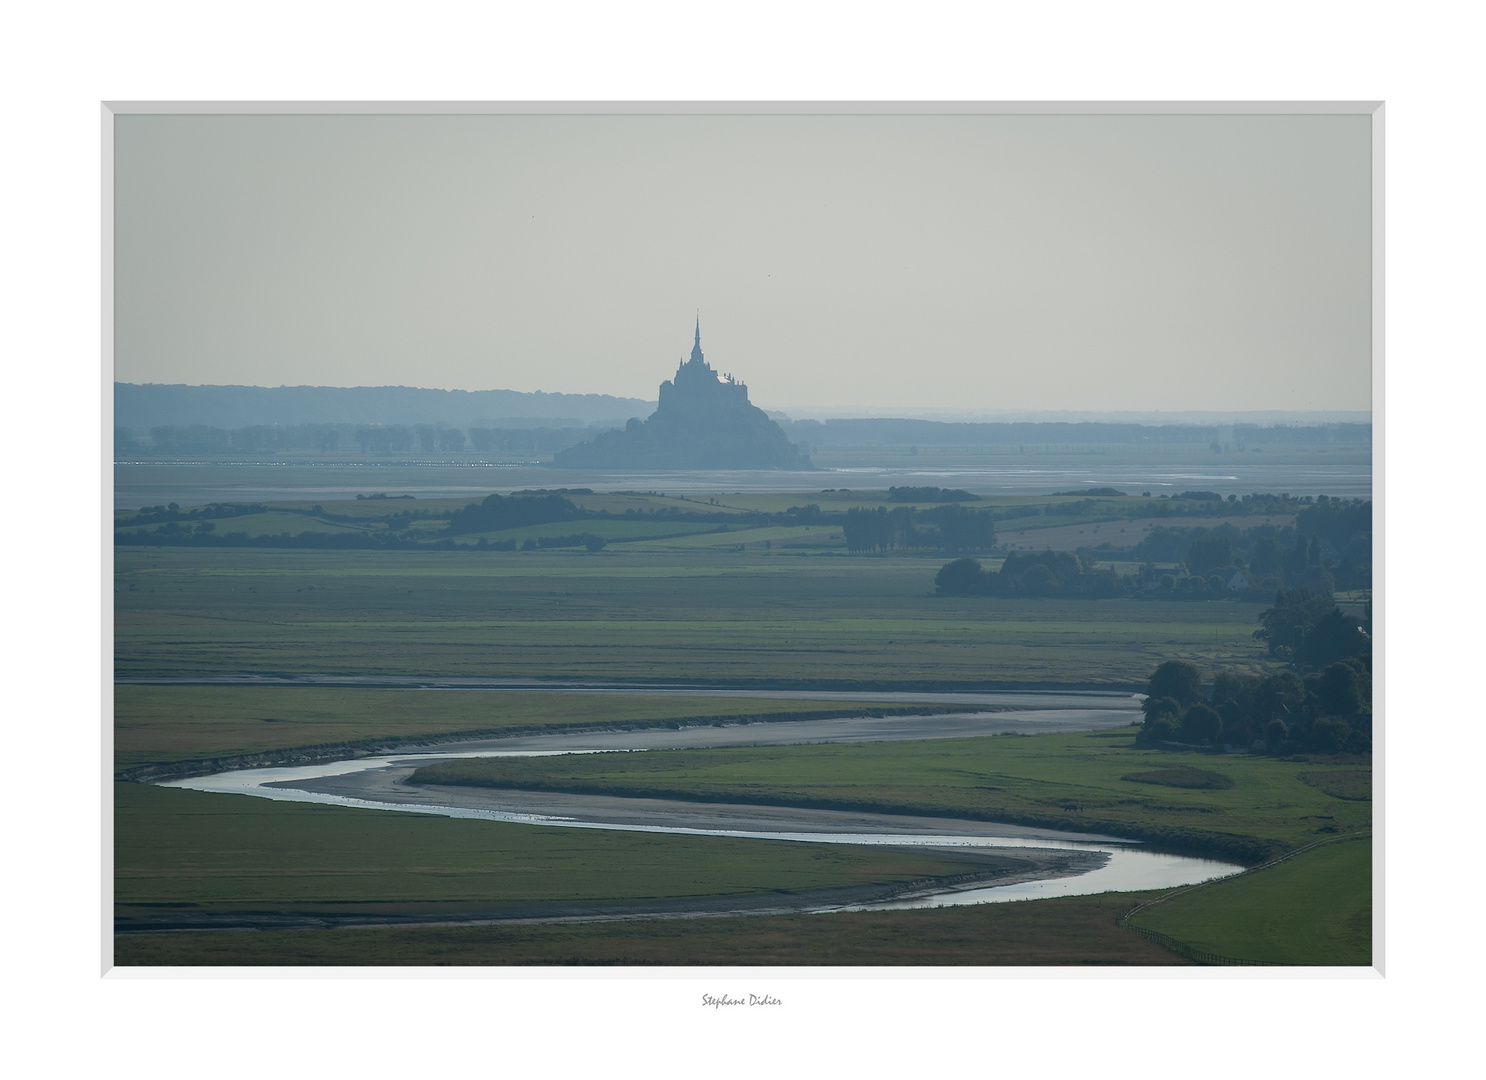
(1155, 708)
(1178, 680)
(1339, 690)
(963, 577)
(1201, 724)
(1161, 729)
(1329, 735)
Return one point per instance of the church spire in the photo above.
(696, 349)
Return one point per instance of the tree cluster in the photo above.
(497, 512)
(1325, 712)
(1311, 632)
(1045, 573)
(952, 528)
(1326, 552)
(1322, 704)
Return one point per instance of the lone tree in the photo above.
(963, 577)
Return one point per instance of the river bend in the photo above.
(1106, 864)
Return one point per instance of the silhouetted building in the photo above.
(703, 421)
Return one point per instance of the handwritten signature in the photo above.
(725, 1001)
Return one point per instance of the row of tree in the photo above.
(1329, 548)
(1045, 573)
(368, 438)
(497, 512)
(952, 528)
(1222, 561)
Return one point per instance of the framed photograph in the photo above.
(792, 536)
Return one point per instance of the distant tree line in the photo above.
(1329, 549)
(1045, 573)
(847, 433)
(496, 512)
(258, 439)
(526, 441)
(952, 528)
(202, 439)
(1183, 504)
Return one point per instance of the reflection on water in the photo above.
(1126, 871)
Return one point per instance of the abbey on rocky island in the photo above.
(703, 420)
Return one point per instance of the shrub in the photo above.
(1329, 735)
(963, 577)
(1201, 724)
(1161, 729)
(1178, 680)
(1155, 708)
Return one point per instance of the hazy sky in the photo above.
(909, 263)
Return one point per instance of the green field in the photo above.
(755, 605)
(1075, 931)
(154, 724)
(180, 853)
(1077, 782)
(704, 615)
(1315, 908)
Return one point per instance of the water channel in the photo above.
(1107, 864)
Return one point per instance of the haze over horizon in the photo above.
(973, 264)
(948, 415)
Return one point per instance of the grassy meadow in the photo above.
(1072, 931)
(179, 852)
(703, 615)
(1315, 908)
(693, 603)
(159, 724)
(1249, 808)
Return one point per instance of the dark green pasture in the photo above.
(705, 615)
(1251, 808)
(1315, 908)
(184, 853)
(1072, 931)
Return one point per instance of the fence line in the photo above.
(1181, 948)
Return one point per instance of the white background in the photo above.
(61, 61)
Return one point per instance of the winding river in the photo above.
(1088, 863)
